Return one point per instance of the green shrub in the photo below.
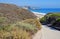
(50, 18)
(42, 19)
(58, 19)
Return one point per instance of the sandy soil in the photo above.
(47, 33)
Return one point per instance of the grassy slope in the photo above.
(14, 13)
(11, 25)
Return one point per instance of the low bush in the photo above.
(50, 18)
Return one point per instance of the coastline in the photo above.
(38, 14)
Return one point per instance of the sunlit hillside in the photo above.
(17, 23)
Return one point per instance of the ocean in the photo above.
(45, 10)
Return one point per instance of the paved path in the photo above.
(47, 33)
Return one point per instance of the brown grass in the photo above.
(33, 22)
(15, 33)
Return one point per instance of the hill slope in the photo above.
(14, 13)
(17, 23)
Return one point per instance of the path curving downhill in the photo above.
(47, 33)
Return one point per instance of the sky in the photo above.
(34, 3)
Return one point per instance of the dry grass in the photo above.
(19, 30)
(14, 33)
(33, 22)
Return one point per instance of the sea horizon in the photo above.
(45, 10)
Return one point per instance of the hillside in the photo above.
(14, 13)
(17, 23)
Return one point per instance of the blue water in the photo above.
(46, 10)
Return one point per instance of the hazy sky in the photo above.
(35, 3)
